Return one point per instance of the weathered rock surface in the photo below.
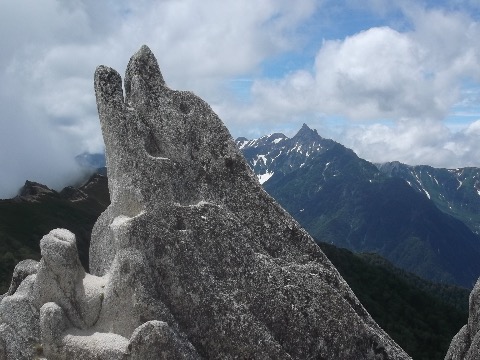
(22, 270)
(192, 259)
(466, 344)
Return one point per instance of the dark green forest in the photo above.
(422, 317)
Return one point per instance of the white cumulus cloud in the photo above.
(394, 88)
(50, 50)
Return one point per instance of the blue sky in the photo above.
(393, 80)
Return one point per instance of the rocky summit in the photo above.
(191, 260)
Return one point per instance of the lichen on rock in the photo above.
(192, 259)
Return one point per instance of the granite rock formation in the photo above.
(466, 344)
(192, 259)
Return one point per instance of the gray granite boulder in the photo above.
(19, 322)
(466, 344)
(192, 259)
(21, 271)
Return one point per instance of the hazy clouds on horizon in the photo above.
(392, 80)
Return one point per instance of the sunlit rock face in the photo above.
(466, 344)
(192, 259)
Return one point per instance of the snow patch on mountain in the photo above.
(277, 153)
(264, 177)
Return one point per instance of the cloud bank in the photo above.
(51, 49)
(394, 89)
(401, 85)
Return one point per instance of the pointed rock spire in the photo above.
(306, 133)
(142, 76)
(228, 268)
(191, 254)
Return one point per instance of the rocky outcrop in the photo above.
(32, 192)
(192, 259)
(466, 344)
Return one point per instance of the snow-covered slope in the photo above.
(454, 191)
(276, 153)
(345, 200)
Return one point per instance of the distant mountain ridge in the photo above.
(91, 161)
(277, 153)
(454, 191)
(347, 201)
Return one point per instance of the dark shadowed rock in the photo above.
(73, 194)
(466, 344)
(192, 259)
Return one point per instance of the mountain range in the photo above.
(454, 191)
(347, 201)
(421, 316)
(415, 216)
(423, 219)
